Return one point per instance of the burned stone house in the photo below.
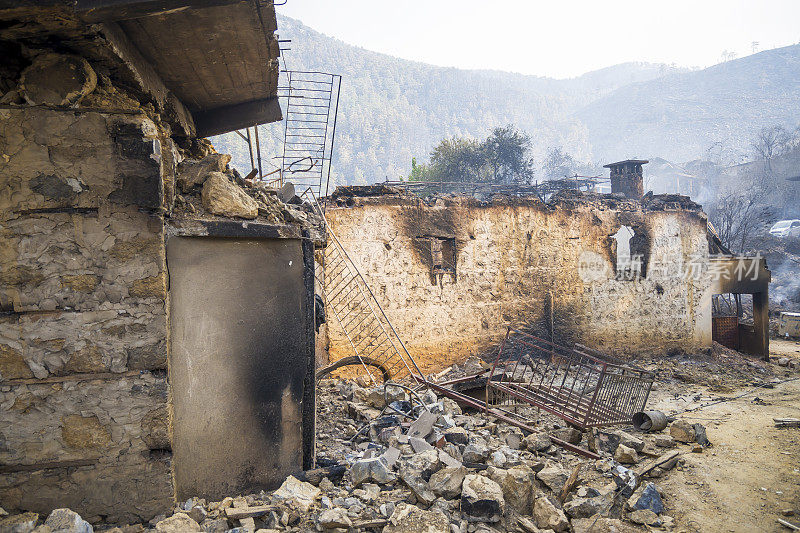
(625, 273)
(147, 291)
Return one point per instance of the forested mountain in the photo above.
(392, 109)
(680, 115)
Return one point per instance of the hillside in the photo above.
(392, 109)
(678, 116)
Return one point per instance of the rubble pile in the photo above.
(396, 460)
(208, 187)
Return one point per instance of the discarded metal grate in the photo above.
(581, 385)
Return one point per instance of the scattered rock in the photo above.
(57, 80)
(408, 518)
(571, 435)
(67, 521)
(475, 452)
(299, 493)
(554, 476)
(519, 488)
(335, 518)
(447, 482)
(625, 455)
(646, 497)
(645, 517)
(193, 172)
(19, 523)
(579, 507)
(222, 197)
(664, 441)
(457, 435)
(548, 516)
(537, 442)
(631, 441)
(178, 523)
(682, 431)
(482, 499)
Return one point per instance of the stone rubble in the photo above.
(432, 468)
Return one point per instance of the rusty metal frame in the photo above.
(580, 385)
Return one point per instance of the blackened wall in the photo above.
(238, 317)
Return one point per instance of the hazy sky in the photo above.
(557, 38)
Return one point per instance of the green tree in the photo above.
(457, 159)
(506, 155)
(419, 172)
(558, 164)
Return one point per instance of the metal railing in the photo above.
(543, 189)
(312, 105)
(581, 385)
(363, 322)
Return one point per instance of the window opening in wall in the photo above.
(442, 255)
(631, 252)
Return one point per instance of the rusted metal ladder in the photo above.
(350, 301)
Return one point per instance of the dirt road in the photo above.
(752, 473)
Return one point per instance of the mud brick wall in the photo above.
(83, 313)
(520, 262)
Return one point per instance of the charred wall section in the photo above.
(547, 267)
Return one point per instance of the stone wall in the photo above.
(83, 334)
(550, 267)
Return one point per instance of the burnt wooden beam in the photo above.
(114, 10)
(237, 116)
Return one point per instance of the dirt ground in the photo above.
(751, 474)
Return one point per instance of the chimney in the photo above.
(626, 177)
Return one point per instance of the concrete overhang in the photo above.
(210, 66)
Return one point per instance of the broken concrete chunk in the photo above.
(664, 441)
(448, 460)
(585, 507)
(408, 518)
(419, 445)
(178, 523)
(548, 516)
(447, 482)
(482, 499)
(457, 435)
(519, 489)
(214, 525)
(67, 521)
(57, 80)
(193, 172)
(222, 197)
(571, 435)
(682, 431)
